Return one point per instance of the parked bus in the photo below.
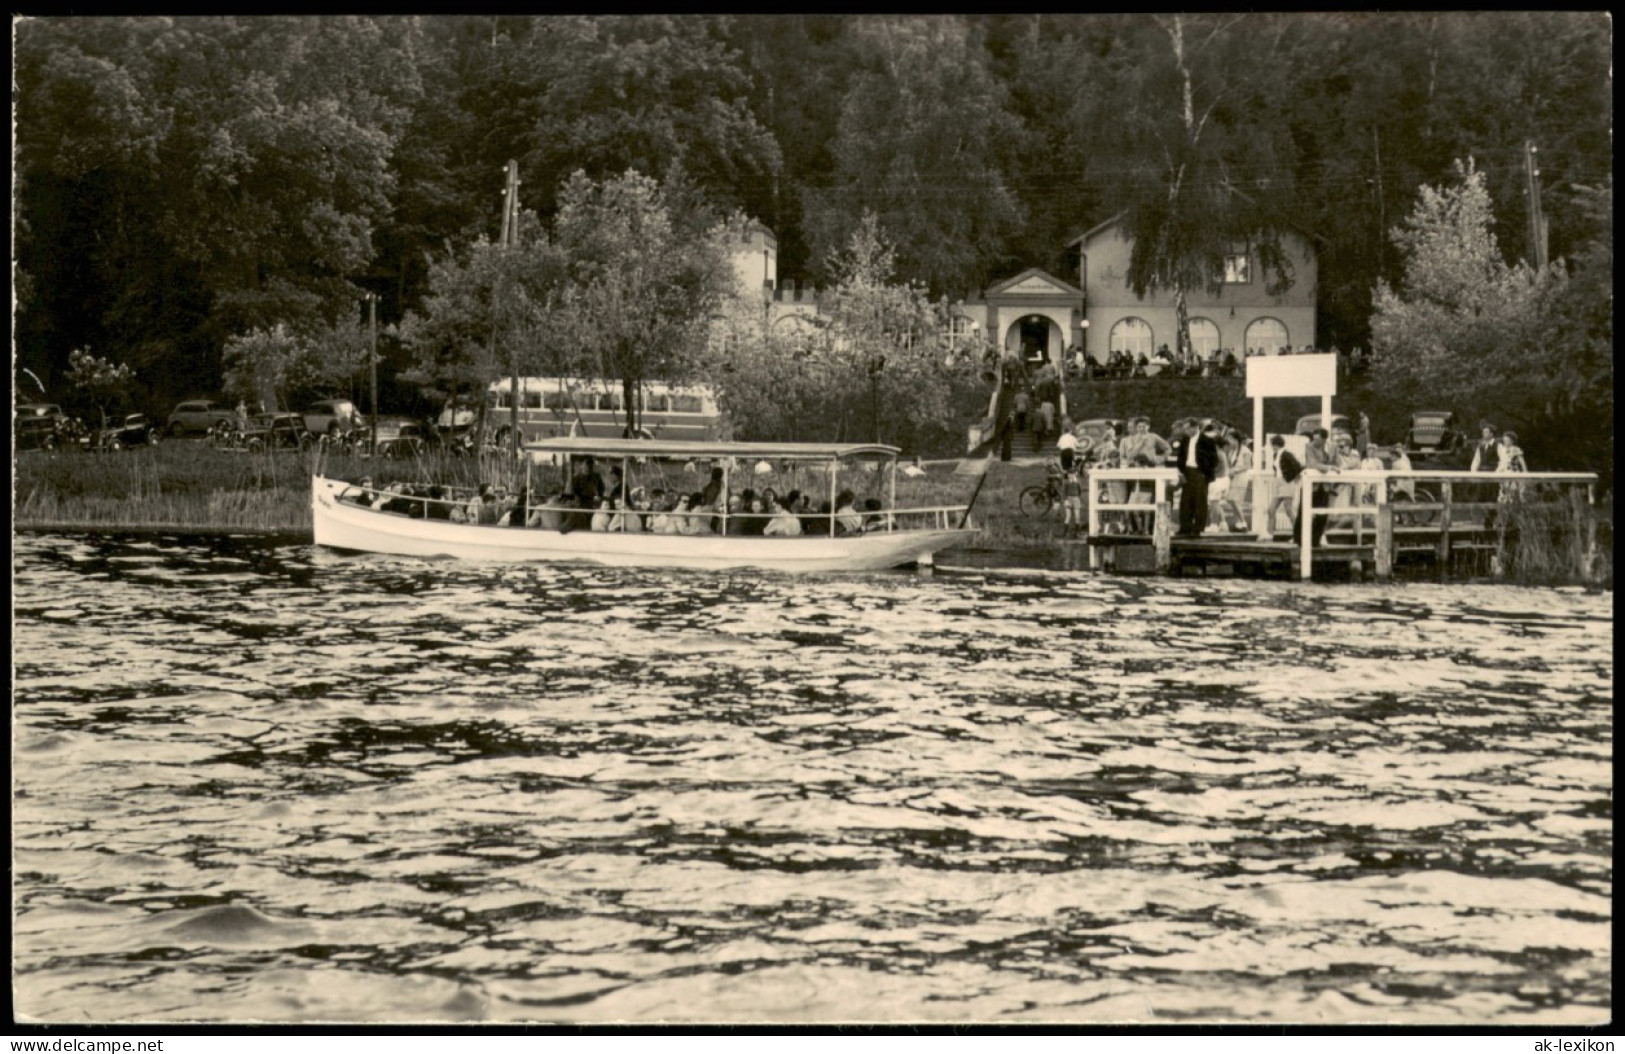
(560, 406)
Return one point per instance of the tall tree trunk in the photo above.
(629, 398)
(1182, 323)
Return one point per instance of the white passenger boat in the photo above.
(893, 537)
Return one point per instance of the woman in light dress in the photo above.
(783, 522)
(1509, 458)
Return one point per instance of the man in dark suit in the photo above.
(1198, 458)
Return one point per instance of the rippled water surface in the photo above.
(287, 785)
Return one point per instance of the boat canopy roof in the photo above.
(687, 448)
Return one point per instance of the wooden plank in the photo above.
(1442, 548)
(1161, 528)
(1385, 542)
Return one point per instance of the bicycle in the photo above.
(1040, 498)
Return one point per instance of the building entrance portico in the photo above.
(1034, 316)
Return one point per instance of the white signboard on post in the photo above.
(1291, 375)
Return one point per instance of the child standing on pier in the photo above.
(1072, 503)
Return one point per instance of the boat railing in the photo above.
(459, 507)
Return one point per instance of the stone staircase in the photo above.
(1025, 445)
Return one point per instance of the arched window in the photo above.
(1267, 335)
(1132, 335)
(1204, 337)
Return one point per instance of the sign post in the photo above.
(1283, 376)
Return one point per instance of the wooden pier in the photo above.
(1132, 518)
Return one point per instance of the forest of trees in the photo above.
(182, 184)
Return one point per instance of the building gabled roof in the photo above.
(1092, 231)
(1112, 221)
(1055, 285)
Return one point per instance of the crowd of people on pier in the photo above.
(1219, 476)
(588, 501)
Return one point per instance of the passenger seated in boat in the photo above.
(549, 515)
(817, 522)
(396, 498)
(698, 520)
(847, 518)
(476, 504)
(754, 517)
(783, 523)
(633, 515)
(739, 512)
(627, 519)
(873, 520)
(586, 486)
(437, 507)
(606, 512)
(736, 506)
(658, 518)
(712, 495)
(519, 515)
(676, 518)
(367, 495)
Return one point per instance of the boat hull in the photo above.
(340, 525)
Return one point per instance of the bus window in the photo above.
(657, 403)
(501, 401)
(531, 400)
(686, 404)
(555, 400)
(609, 401)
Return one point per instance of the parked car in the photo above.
(1177, 429)
(1095, 427)
(1309, 422)
(331, 416)
(199, 415)
(403, 439)
(1432, 433)
(274, 432)
(134, 430)
(38, 426)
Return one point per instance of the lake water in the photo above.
(258, 784)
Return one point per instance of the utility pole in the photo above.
(372, 361)
(1382, 204)
(510, 235)
(1537, 216)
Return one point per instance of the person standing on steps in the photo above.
(1021, 403)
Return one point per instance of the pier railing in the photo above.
(1429, 502)
(1131, 501)
(1386, 511)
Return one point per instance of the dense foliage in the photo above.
(1500, 340)
(878, 362)
(182, 183)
